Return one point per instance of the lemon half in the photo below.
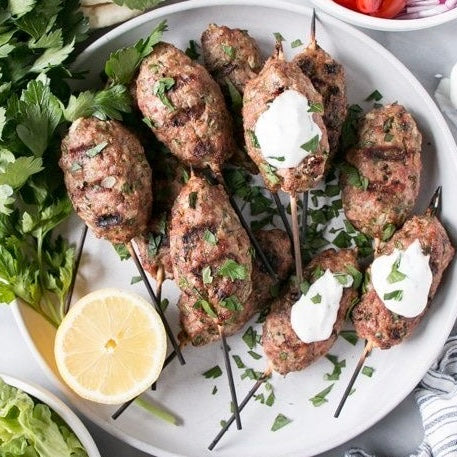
(111, 346)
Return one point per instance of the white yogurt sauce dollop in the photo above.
(314, 314)
(405, 294)
(284, 127)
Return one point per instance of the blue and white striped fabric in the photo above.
(436, 396)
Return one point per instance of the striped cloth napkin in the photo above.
(436, 396)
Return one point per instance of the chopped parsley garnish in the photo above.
(254, 355)
(232, 303)
(148, 122)
(233, 270)
(135, 279)
(296, 43)
(349, 227)
(317, 272)
(357, 276)
(250, 338)
(388, 231)
(254, 140)
(229, 50)
(317, 298)
(213, 373)
(210, 237)
(311, 145)
(251, 374)
(354, 302)
(278, 158)
(304, 287)
(396, 295)
(280, 422)
(270, 399)
(214, 391)
(193, 199)
(342, 278)
(337, 365)
(191, 50)
(235, 96)
(368, 371)
(354, 177)
(332, 190)
(206, 306)
(387, 124)
(154, 243)
(342, 240)
(238, 361)
(185, 176)
(320, 398)
(350, 336)
(349, 136)
(388, 137)
(395, 275)
(92, 152)
(206, 275)
(161, 87)
(75, 166)
(375, 95)
(270, 173)
(316, 108)
(278, 37)
(122, 251)
(164, 304)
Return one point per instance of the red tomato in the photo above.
(368, 6)
(351, 4)
(390, 8)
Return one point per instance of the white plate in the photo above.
(378, 23)
(58, 406)
(183, 390)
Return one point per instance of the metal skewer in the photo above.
(296, 237)
(283, 215)
(433, 209)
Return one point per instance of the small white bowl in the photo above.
(57, 405)
(377, 23)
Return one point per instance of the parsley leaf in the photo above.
(210, 237)
(191, 51)
(311, 145)
(296, 43)
(396, 295)
(232, 303)
(238, 361)
(92, 152)
(354, 177)
(337, 365)
(317, 298)
(122, 251)
(160, 87)
(206, 306)
(270, 174)
(316, 108)
(280, 422)
(233, 270)
(320, 398)
(375, 95)
(250, 337)
(278, 37)
(368, 371)
(206, 275)
(193, 200)
(229, 50)
(387, 231)
(141, 5)
(395, 274)
(213, 373)
(350, 336)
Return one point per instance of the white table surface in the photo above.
(425, 53)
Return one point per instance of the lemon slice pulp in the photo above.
(111, 346)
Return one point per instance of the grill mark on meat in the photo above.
(202, 149)
(194, 235)
(108, 220)
(387, 153)
(185, 115)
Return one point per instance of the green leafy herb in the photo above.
(320, 398)
(141, 5)
(349, 136)
(148, 122)
(249, 373)
(317, 298)
(238, 361)
(164, 304)
(278, 158)
(342, 240)
(193, 200)
(250, 338)
(270, 174)
(235, 96)
(162, 86)
(92, 152)
(354, 177)
(122, 251)
(254, 355)
(337, 365)
(316, 108)
(368, 371)
(210, 237)
(375, 95)
(396, 295)
(233, 270)
(229, 50)
(304, 287)
(388, 137)
(206, 306)
(318, 272)
(192, 50)
(388, 231)
(232, 303)
(350, 336)
(296, 43)
(311, 145)
(280, 422)
(357, 276)
(395, 275)
(135, 279)
(213, 373)
(278, 37)
(214, 391)
(270, 399)
(154, 243)
(206, 275)
(387, 126)
(342, 278)
(254, 140)
(122, 64)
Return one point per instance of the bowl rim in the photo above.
(58, 406)
(377, 23)
(109, 425)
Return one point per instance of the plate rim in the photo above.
(306, 11)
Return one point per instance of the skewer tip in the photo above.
(435, 203)
(312, 43)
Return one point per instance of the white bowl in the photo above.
(57, 405)
(377, 23)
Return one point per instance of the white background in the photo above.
(425, 53)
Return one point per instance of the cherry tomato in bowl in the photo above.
(390, 8)
(369, 6)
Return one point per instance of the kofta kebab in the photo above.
(192, 231)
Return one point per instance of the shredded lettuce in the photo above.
(32, 429)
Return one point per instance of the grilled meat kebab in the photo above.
(199, 328)
(381, 184)
(185, 108)
(108, 178)
(284, 349)
(373, 321)
(276, 77)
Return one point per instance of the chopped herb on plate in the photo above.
(280, 422)
(213, 373)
